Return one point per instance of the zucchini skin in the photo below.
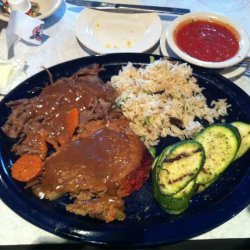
(201, 187)
(179, 165)
(155, 162)
(221, 143)
(164, 154)
(244, 130)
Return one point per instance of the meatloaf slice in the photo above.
(99, 168)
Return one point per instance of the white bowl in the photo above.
(47, 8)
(244, 44)
(229, 72)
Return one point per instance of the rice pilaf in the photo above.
(164, 99)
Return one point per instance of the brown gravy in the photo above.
(97, 162)
(58, 99)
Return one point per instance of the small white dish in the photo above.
(244, 44)
(108, 32)
(46, 8)
(230, 72)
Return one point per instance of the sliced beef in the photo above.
(33, 144)
(84, 91)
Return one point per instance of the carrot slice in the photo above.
(72, 121)
(26, 168)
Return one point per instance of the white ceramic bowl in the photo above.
(244, 44)
(47, 8)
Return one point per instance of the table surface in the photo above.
(61, 46)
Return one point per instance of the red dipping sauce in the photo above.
(209, 41)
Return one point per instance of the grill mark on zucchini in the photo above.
(181, 156)
(181, 164)
(176, 203)
(204, 171)
(180, 178)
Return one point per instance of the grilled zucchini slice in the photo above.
(179, 165)
(244, 130)
(176, 203)
(221, 143)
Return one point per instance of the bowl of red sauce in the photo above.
(208, 40)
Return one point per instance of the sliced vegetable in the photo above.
(72, 121)
(244, 130)
(177, 203)
(26, 168)
(175, 174)
(221, 143)
(181, 165)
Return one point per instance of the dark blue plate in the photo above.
(146, 223)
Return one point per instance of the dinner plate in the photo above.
(146, 224)
(229, 72)
(109, 32)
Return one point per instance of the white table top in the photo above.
(61, 46)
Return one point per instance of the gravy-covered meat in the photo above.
(97, 162)
(100, 165)
(48, 112)
(96, 157)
